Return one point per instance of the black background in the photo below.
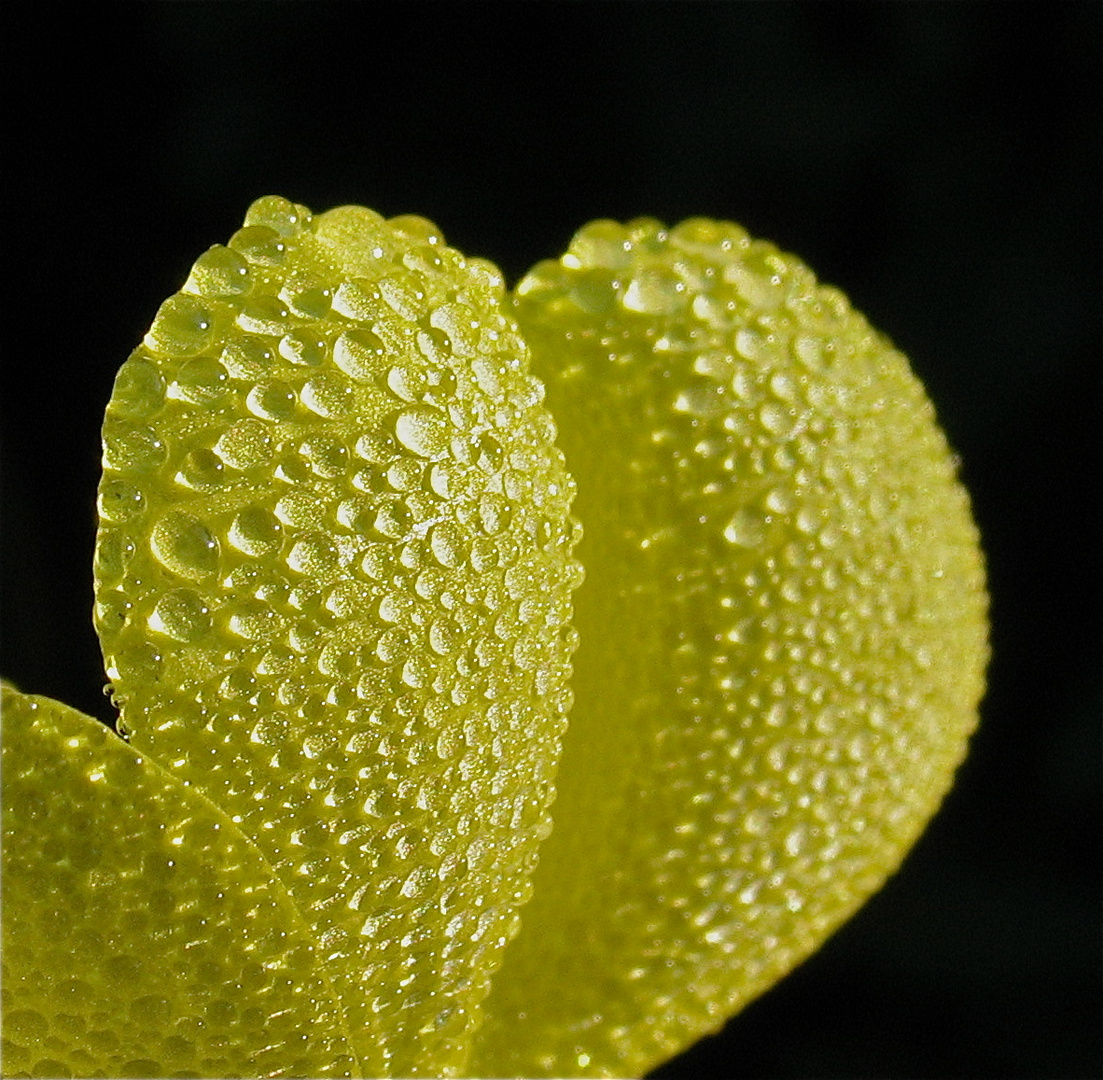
(940, 162)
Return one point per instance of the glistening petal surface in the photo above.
(333, 579)
(783, 639)
(143, 935)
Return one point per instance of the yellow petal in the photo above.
(333, 588)
(143, 935)
(783, 639)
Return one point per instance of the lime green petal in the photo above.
(783, 639)
(333, 578)
(143, 935)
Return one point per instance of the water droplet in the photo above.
(308, 299)
(112, 610)
(777, 419)
(254, 620)
(360, 354)
(304, 348)
(133, 447)
(780, 501)
(494, 513)
(120, 501)
(259, 244)
(459, 323)
(357, 514)
(301, 509)
(372, 480)
(601, 244)
(442, 636)
(256, 532)
(182, 327)
(752, 344)
(393, 520)
(246, 445)
(328, 396)
(201, 470)
(350, 599)
(405, 474)
(219, 272)
(247, 359)
(185, 546)
(378, 562)
(407, 382)
(434, 345)
(654, 292)
(358, 299)
(202, 381)
(376, 447)
(139, 390)
(327, 458)
(278, 214)
(114, 550)
(423, 430)
(271, 401)
(489, 454)
(264, 315)
(306, 636)
(700, 397)
(403, 296)
(446, 545)
(182, 615)
(747, 528)
(313, 554)
(441, 386)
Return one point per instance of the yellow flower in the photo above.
(335, 575)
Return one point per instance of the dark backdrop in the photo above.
(940, 162)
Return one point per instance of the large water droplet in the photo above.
(202, 381)
(259, 244)
(423, 430)
(777, 419)
(264, 315)
(393, 519)
(182, 615)
(248, 359)
(182, 327)
(201, 470)
(219, 272)
(277, 213)
(114, 550)
(314, 554)
(328, 396)
(185, 546)
(139, 389)
(654, 293)
(120, 501)
(304, 348)
(256, 531)
(747, 528)
(132, 447)
(246, 445)
(271, 401)
(446, 544)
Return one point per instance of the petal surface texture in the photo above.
(143, 935)
(783, 639)
(333, 581)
